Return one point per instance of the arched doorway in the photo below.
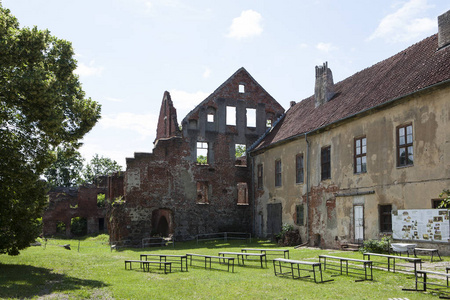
(162, 223)
(163, 227)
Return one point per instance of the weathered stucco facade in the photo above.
(171, 192)
(308, 170)
(331, 202)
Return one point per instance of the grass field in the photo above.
(92, 271)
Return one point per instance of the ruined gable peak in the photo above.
(167, 122)
(324, 87)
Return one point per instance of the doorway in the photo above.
(274, 219)
(358, 213)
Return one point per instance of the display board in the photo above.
(430, 225)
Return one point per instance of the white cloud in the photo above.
(110, 99)
(184, 101)
(325, 47)
(404, 24)
(207, 72)
(143, 124)
(88, 70)
(248, 24)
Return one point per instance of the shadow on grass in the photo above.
(22, 281)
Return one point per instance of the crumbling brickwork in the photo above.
(171, 191)
(68, 203)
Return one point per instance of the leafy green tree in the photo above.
(66, 169)
(99, 166)
(240, 150)
(42, 106)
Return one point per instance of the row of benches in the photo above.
(362, 268)
(207, 260)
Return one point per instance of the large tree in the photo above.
(66, 170)
(99, 166)
(42, 105)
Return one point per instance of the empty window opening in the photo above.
(268, 123)
(241, 88)
(210, 112)
(202, 152)
(251, 117)
(242, 193)
(101, 200)
(240, 150)
(231, 115)
(61, 227)
(78, 226)
(241, 155)
(202, 192)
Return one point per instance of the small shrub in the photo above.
(377, 246)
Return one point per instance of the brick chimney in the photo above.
(444, 30)
(324, 89)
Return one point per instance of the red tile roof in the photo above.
(415, 68)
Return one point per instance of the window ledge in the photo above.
(202, 203)
(407, 166)
(243, 204)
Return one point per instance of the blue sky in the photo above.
(130, 51)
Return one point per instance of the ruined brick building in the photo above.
(340, 164)
(192, 182)
(67, 203)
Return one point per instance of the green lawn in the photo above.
(94, 272)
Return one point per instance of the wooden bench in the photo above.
(171, 256)
(393, 258)
(293, 267)
(208, 260)
(284, 251)
(244, 256)
(146, 264)
(438, 282)
(352, 269)
(431, 251)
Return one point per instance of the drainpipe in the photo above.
(307, 190)
(253, 196)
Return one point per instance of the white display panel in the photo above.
(430, 225)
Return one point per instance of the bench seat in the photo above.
(208, 259)
(146, 264)
(431, 251)
(293, 268)
(365, 269)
